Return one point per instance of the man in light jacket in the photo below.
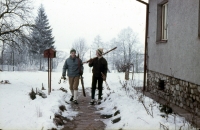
(74, 68)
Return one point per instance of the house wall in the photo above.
(180, 55)
(176, 61)
(182, 93)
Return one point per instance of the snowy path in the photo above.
(87, 118)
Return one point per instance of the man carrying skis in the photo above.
(74, 68)
(99, 71)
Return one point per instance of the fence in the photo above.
(7, 61)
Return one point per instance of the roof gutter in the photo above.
(142, 2)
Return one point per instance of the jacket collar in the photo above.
(72, 58)
(100, 57)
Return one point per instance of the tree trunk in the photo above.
(2, 55)
(2, 59)
(40, 62)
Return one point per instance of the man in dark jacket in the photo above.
(99, 71)
(74, 68)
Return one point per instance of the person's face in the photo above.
(73, 54)
(97, 54)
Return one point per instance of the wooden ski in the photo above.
(83, 88)
(82, 83)
(102, 54)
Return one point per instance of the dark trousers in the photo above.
(100, 88)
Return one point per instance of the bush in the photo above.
(32, 94)
(62, 108)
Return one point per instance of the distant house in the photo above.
(173, 61)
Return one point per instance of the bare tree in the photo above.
(97, 42)
(126, 42)
(80, 46)
(15, 20)
(113, 54)
(17, 58)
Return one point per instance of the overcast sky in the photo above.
(73, 19)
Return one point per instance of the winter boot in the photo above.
(75, 102)
(72, 98)
(92, 102)
(99, 101)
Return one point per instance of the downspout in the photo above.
(145, 47)
(199, 19)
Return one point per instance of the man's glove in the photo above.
(103, 76)
(90, 61)
(63, 77)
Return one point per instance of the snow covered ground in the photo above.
(131, 107)
(18, 111)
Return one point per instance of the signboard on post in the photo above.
(49, 53)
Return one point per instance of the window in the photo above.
(162, 22)
(164, 29)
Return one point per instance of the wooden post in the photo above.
(49, 53)
(48, 78)
(133, 71)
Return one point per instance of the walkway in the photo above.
(87, 119)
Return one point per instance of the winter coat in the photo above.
(99, 65)
(72, 67)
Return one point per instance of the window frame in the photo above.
(164, 22)
(159, 38)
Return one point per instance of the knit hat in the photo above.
(100, 51)
(72, 50)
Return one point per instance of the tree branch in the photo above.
(17, 29)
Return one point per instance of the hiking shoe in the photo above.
(75, 102)
(99, 101)
(72, 98)
(91, 102)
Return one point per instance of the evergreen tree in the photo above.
(41, 36)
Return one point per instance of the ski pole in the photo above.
(107, 85)
(59, 81)
(105, 81)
